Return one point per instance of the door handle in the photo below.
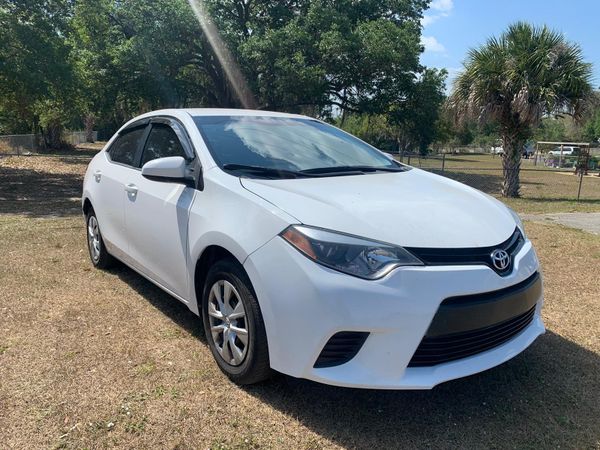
(131, 189)
(97, 175)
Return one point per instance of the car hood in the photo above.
(413, 208)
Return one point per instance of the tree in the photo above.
(132, 56)
(560, 128)
(375, 129)
(36, 76)
(332, 56)
(514, 81)
(591, 123)
(592, 128)
(100, 62)
(415, 115)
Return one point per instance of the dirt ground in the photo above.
(92, 359)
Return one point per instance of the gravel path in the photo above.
(589, 222)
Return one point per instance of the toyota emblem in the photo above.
(500, 259)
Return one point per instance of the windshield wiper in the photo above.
(355, 169)
(270, 172)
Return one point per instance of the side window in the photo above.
(124, 148)
(162, 142)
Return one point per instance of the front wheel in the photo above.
(98, 253)
(233, 324)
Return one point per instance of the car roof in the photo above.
(197, 112)
(194, 112)
(236, 112)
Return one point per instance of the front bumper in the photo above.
(304, 304)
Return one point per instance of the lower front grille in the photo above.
(341, 348)
(441, 349)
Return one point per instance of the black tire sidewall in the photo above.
(105, 259)
(229, 271)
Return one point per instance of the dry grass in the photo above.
(41, 185)
(543, 189)
(92, 359)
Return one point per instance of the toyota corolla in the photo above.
(306, 251)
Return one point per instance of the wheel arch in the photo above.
(209, 256)
(86, 206)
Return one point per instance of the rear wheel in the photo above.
(233, 324)
(98, 253)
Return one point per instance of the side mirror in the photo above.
(172, 168)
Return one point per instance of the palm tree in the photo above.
(515, 80)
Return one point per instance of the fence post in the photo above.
(580, 182)
(560, 158)
(443, 161)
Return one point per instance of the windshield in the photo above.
(286, 144)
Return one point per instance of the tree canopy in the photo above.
(76, 62)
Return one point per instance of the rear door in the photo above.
(110, 196)
(157, 212)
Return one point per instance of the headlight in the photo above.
(518, 221)
(352, 255)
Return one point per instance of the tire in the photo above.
(100, 257)
(243, 362)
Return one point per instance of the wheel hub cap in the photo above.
(94, 238)
(228, 324)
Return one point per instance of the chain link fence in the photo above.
(540, 177)
(24, 144)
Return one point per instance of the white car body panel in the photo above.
(163, 230)
(112, 214)
(226, 215)
(159, 247)
(323, 302)
(367, 206)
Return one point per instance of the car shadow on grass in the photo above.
(548, 396)
(165, 303)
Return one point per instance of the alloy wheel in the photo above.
(228, 323)
(94, 238)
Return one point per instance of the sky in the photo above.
(452, 27)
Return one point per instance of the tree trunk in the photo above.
(400, 148)
(89, 121)
(37, 141)
(53, 136)
(511, 164)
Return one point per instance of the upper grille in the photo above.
(470, 256)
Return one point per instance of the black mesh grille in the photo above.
(341, 348)
(469, 256)
(440, 349)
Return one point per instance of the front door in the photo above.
(156, 216)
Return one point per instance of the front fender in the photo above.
(227, 215)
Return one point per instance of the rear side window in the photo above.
(162, 142)
(125, 146)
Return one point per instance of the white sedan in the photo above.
(567, 150)
(309, 252)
